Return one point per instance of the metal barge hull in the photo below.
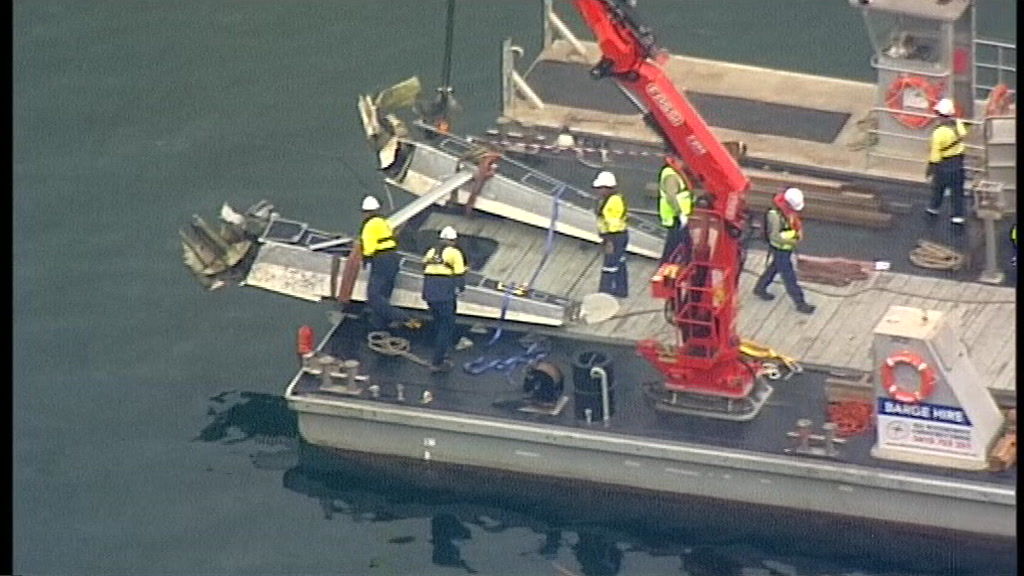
(738, 462)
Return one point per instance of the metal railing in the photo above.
(1004, 66)
(974, 152)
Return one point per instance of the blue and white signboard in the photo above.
(926, 427)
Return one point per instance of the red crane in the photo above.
(704, 371)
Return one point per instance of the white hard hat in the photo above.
(795, 198)
(448, 233)
(945, 107)
(605, 179)
(370, 203)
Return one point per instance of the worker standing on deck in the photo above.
(946, 161)
(783, 231)
(444, 277)
(675, 204)
(380, 252)
(611, 226)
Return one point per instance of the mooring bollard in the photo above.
(326, 364)
(803, 431)
(830, 438)
(351, 370)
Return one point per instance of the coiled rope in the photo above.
(384, 343)
(936, 256)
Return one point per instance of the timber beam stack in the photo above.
(824, 200)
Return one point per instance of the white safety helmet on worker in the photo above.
(448, 233)
(371, 203)
(795, 198)
(605, 179)
(945, 107)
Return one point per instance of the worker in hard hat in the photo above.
(946, 161)
(444, 278)
(783, 231)
(380, 253)
(675, 204)
(611, 226)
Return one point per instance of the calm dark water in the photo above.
(147, 433)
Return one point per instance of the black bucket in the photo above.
(587, 389)
(544, 383)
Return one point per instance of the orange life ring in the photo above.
(894, 99)
(925, 375)
(998, 100)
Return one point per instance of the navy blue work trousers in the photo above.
(383, 270)
(443, 312)
(949, 175)
(781, 262)
(614, 277)
(677, 237)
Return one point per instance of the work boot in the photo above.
(764, 295)
(805, 308)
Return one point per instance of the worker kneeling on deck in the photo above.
(380, 253)
(611, 226)
(675, 204)
(444, 277)
(783, 231)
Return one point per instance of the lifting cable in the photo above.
(510, 289)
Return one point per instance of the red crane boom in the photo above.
(702, 295)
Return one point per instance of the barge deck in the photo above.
(481, 420)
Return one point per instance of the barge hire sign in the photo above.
(925, 427)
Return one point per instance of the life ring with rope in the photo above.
(925, 374)
(998, 101)
(895, 96)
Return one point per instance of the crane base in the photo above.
(722, 408)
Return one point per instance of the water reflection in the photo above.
(239, 416)
(445, 532)
(598, 527)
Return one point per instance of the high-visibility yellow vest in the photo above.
(444, 261)
(779, 231)
(668, 181)
(611, 214)
(376, 236)
(947, 141)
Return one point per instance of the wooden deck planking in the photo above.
(798, 342)
(566, 263)
(1006, 379)
(838, 335)
(994, 346)
(860, 344)
(945, 296)
(850, 343)
(973, 306)
(517, 265)
(975, 333)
